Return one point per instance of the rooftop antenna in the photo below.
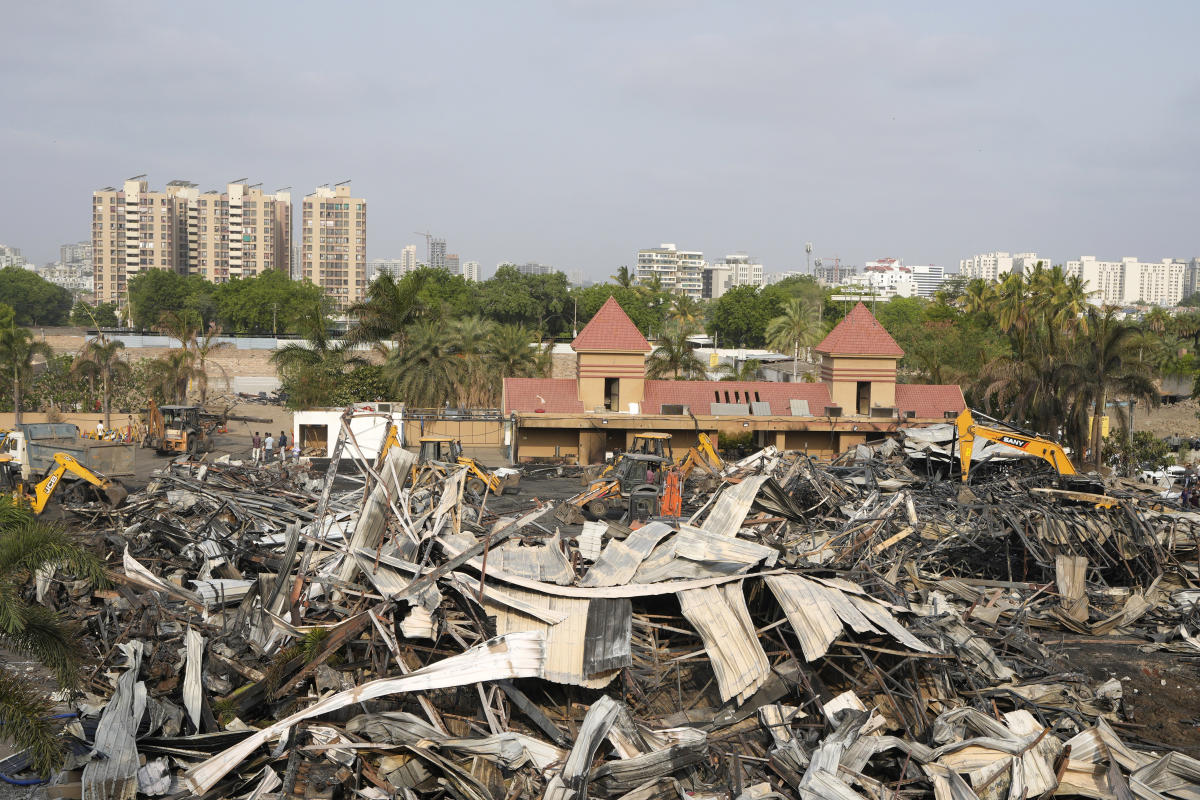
(807, 256)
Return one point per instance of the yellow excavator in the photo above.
(112, 493)
(703, 457)
(444, 450)
(1007, 434)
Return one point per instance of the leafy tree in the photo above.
(390, 306)
(648, 311)
(103, 358)
(58, 385)
(170, 375)
(268, 303)
(739, 318)
(27, 546)
(538, 302)
(103, 315)
(157, 291)
(797, 327)
(18, 349)
(34, 300)
(312, 371)
(363, 384)
(674, 357)
(1128, 453)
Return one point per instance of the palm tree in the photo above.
(472, 340)
(624, 277)
(28, 546)
(18, 348)
(798, 326)
(426, 372)
(311, 369)
(1107, 365)
(171, 374)
(979, 297)
(101, 358)
(686, 310)
(390, 306)
(746, 371)
(203, 348)
(674, 356)
(512, 354)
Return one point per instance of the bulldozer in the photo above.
(179, 429)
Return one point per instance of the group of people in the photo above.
(263, 451)
(1189, 496)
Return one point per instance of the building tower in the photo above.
(334, 244)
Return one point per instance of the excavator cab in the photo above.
(439, 450)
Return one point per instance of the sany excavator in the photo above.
(111, 492)
(1019, 439)
(442, 451)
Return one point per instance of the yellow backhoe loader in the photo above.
(111, 492)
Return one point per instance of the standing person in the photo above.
(283, 448)
(256, 444)
(268, 448)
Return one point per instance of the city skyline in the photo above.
(932, 131)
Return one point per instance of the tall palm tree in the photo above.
(472, 340)
(624, 277)
(798, 326)
(311, 368)
(979, 297)
(171, 374)
(204, 347)
(1107, 365)
(674, 356)
(390, 306)
(746, 371)
(512, 353)
(686, 310)
(18, 349)
(101, 358)
(426, 372)
(27, 546)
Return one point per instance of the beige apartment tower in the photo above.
(240, 232)
(333, 244)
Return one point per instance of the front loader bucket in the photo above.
(569, 514)
(114, 496)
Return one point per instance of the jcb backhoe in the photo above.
(111, 492)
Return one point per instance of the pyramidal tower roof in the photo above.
(611, 330)
(859, 334)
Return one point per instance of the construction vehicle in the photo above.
(646, 443)
(441, 452)
(1018, 438)
(178, 429)
(705, 458)
(31, 450)
(110, 492)
(634, 474)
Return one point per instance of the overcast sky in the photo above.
(574, 133)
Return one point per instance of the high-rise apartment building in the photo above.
(470, 271)
(1130, 281)
(677, 270)
(11, 257)
(453, 265)
(437, 253)
(1191, 278)
(75, 253)
(135, 229)
(927, 278)
(219, 235)
(333, 244)
(994, 266)
(239, 233)
(734, 270)
(408, 259)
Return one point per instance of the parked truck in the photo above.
(30, 450)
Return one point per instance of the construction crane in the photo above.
(428, 245)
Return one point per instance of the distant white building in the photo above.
(11, 257)
(887, 277)
(470, 271)
(1129, 281)
(75, 277)
(775, 277)
(927, 278)
(408, 259)
(677, 270)
(994, 266)
(734, 270)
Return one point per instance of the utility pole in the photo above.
(274, 312)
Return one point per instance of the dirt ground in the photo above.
(1165, 420)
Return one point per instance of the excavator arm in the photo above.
(113, 491)
(968, 431)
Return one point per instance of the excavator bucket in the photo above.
(114, 496)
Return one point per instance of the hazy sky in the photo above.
(574, 133)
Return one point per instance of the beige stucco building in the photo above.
(240, 232)
(575, 420)
(333, 244)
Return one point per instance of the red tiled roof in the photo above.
(611, 330)
(552, 395)
(859, 334)
(929, 402)
(700, 395)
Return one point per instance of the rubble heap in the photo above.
(859, 629)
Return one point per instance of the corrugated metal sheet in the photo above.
(621, 558)
(720, 616)
(565, 642)
(729, 409)
(606, 644)
(732, 506)
(760, 409)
